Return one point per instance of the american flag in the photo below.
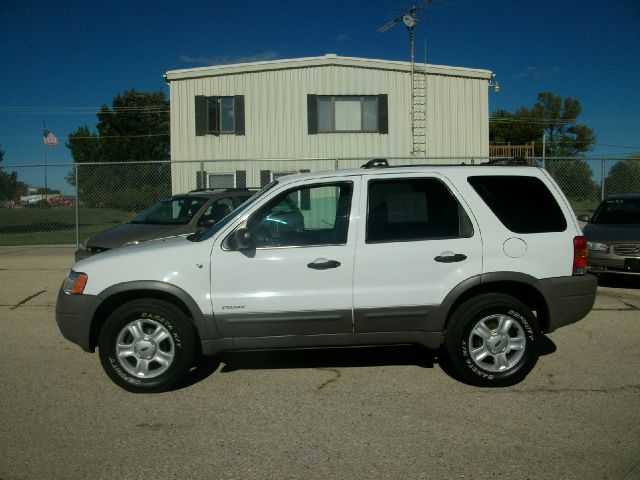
(49, 138)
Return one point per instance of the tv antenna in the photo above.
(410, 20)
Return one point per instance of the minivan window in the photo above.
(171, 211)
(523, 204)
(414, 209)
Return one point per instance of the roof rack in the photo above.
(241, 189)
(508, 161)
(499, 161)
(376, 163)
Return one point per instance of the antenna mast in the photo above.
(410, 19)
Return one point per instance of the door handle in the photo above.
(449, 257)
(323, 264)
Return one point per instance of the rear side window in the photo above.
(522, 204)
(401, 210)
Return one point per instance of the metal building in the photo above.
(250, 122)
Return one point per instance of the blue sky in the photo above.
(60, 61)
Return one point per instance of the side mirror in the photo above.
(584, 218)
(242, 239)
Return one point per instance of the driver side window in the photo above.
(311, 215)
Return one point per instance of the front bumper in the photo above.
(609, 263)
(73, 316)
(569, 299)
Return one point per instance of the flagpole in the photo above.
(46, 186)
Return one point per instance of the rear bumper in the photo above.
(569, 299)
(73, 316)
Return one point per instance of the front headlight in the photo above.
(74, 283)
(598, 247)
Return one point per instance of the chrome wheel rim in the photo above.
(497, 343)
(145, 348)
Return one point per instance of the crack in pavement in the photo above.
(331, 380)
(22, 302)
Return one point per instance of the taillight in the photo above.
(580, 255)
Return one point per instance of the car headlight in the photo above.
(598, 247)
(134, 242)
(74, 283)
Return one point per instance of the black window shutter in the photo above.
(312, 113)
(265, 177)
(238, 112)
(201, 180)
(201, 115)
(383, 114)
(241, 178)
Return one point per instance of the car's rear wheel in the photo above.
(492, 340)
(147, 345)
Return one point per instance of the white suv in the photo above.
(479, 260)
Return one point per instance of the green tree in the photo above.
(565, 137)
(558, 119)
(624, 177)
(10, 186)
(515, 128)
(134, 129)
(550, 114)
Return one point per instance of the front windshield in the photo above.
(618, 212)
(206, 234)
(171, 211)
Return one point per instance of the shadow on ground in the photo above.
(328, 358)
(619, 281)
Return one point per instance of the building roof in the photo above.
(329, 59)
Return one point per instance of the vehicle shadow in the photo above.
(345, 357)
(619, 281)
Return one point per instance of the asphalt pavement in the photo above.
(370, 413)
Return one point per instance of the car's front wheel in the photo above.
(492, 340)
(147, 345)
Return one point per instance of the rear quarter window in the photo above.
(523, 204)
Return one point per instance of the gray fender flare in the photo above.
(205, 328)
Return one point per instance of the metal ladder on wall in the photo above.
(419, 114)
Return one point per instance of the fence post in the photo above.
(602, 179)
(75, 165)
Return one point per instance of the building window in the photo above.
(221, 180)
(219, 115)
(347, 113)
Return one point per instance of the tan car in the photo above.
(176, 215)
(613, 236)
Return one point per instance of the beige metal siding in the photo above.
(276, 116)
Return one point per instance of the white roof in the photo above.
(329, 59)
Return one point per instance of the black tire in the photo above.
(147, 345)
(492, 340)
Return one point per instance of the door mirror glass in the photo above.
(241, 239)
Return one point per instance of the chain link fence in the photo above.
(97, 196)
